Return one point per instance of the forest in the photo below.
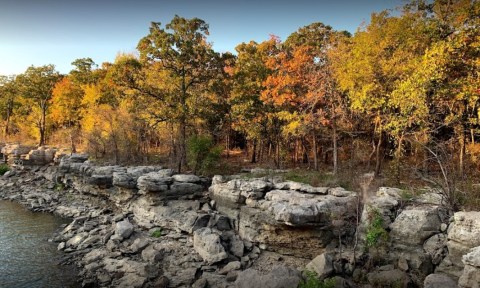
(399, 97)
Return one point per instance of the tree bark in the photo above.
(254, 152)
(315, 152)
(379, 156)
(461, 132)
(42, 128)
(335, 150)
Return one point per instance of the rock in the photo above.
(131, 280)
(322, 265)
(9, 174)
(186, 178)
(443, 227)
(388, 278)
(402, 264)
(162, 282)
(181, 188)
(235, 265)
(100, 180)
(124, 180)
(123, 229)
(279, 277)
(439, 280)
(290, 185)
(154, 182)
(340, 192)
(139, 244)
(463, 235)
(76, 240)
(94, 256)
(207, 243)
(436, 247)
(152, 255)
(471, 272)
(232, 276)
(236, 246)
(298, 209)
(414, 226)
(183, 278)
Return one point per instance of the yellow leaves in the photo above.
(65, 102)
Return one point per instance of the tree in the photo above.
(37, 84)
(182, 54)
(249, 113)
(303, 88)
(8, 93)
(369, 66)
(84, 72)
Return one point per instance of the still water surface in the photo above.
(27, 259)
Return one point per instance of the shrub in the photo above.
(375, 231)
(312, 281)
(202, 154)
(4, 168)
(157, 233)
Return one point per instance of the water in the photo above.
(27, 259)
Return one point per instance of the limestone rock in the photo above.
(123, 229)
(388, 278)
(463, 235)
(471, 272)
(298, 209)
(186, 178)
(124, 180)
(322, 265)
(436, 247)
(235, 265)
(207, 243)
(153, 182)
(279, 277)
(290, 185)
(414, 226)
(439, 280)
(184, 188)
(152, 254)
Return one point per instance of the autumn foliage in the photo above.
(321, 98)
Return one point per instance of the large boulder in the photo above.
(298, 209)
(279, 277)
(154, 182)
(414, 226)
(207, 244)
(463, 235)
(295, 223)
(471, 272)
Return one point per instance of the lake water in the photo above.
(27, 259)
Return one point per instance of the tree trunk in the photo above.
(378, 156)
(254, 152)
(315, 152)
(182, 147)
(43, 107)
(335, 150)
(461, 139)
(398, 157)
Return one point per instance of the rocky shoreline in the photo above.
(146, 226)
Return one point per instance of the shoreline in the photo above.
(146, 226)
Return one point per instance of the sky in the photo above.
(40, 32)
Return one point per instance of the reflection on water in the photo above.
(27, 259)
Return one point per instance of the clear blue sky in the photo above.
(39, 32)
